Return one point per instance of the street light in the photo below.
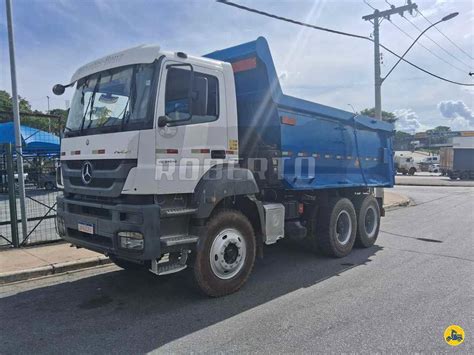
(445, 18)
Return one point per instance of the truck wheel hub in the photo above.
(343, 227)
(227, 254)
(370, 222)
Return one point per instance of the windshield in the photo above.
(112, 100)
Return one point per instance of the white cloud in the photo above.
(407, 121)
(460, 124)
(459, 114)
(452, 109)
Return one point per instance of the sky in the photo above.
(54, 37)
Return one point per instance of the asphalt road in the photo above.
(398, 296)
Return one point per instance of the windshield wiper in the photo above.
(131, 99)
(91, 103)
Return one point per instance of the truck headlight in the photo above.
(131, 240)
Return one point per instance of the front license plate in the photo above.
(86, 228)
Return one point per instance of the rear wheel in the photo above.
(225, 258)
(337, 227)
(368, 220)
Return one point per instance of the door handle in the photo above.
(217, 154)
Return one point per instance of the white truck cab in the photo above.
(104, 124)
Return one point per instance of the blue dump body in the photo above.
(341, 149)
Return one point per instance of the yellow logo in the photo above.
(454, 335)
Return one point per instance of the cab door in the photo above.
(192, 98)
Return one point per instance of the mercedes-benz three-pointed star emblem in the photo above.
(86, 173)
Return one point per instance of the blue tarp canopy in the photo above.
(33, 140)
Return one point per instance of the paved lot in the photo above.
(398, 296)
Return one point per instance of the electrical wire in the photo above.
(429, 50)
(445, 36)
(242, 7)
(437, 44)
(428, 37)
(249, 9)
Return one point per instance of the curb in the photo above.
(420, 184)
(403, 203)
(58, 268)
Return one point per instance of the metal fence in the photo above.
(40, 189)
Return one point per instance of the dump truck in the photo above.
(405, 164)
(457, 161)
(171, 161)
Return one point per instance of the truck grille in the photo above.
(107, 176)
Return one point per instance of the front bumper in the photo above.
(108, 220)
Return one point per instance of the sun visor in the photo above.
(135, 55)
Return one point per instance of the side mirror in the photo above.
(162, 121)
(58, 89)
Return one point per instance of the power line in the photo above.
(429, 50)
(242, 7)
(437, 44)
(249, 9)
(428, 37)
(420, 44)
(423, 70)
(449, 39)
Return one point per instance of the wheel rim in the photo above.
(228, 253)
(370, 221)
(343, 227)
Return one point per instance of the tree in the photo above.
(440, 129)
(386, 116)
(6, 104)
(402, 141)
(28, 116)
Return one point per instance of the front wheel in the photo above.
(412, 171)
(337, 227)
(225, 258)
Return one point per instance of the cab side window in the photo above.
(201, 102)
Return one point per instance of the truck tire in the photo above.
(225, 257)
(368, 220)
(126, 265)
(412, 171)
(337, 227)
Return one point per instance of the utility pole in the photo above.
(376, 18)
(16, 120)
(49, 118)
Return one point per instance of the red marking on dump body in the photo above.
(244, 64)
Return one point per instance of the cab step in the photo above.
(170, 268)
(182, 239)
(165, 266)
